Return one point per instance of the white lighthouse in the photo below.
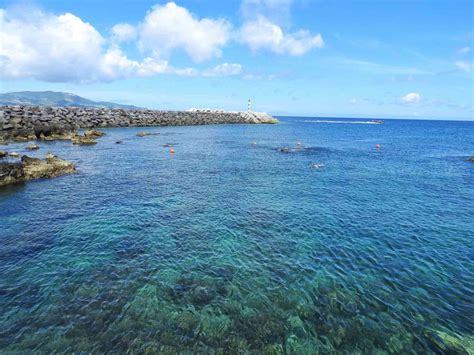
(249, 104)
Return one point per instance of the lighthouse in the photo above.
(249, 103)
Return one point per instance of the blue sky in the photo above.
(400, 59)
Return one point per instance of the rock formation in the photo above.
(83, 140)
(23, 123)
(33, 147)
(33, 168)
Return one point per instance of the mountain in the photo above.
(54, 98)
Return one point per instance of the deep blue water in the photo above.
(234, 247)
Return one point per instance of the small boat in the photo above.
(376, 121)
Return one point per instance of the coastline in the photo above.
(34, 122)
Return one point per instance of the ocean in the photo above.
(230, 245)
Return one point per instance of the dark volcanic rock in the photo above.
(23, 123)
(11, 173)
(471, 159)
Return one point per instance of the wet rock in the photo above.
(471, 159)
(33, 168)
(58, 137)
(93, 133)
(144, 134)
(83, 140)
(167, 145)
(21, 139)
(13, 154)
(284, 150)
(119, 142)
(33, 147)
(3, 154)
(11, 173)
(50, 167)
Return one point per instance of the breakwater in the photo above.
(36, 121)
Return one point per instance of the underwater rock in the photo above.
(144, 134)
(471, 159)
(93, 133)
(450, 344)
(297, 325)
(167, 145)
(215, 326)
(119, 142)
(201, 295)
(33, 168)
(33, 147)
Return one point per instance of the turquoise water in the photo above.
(231, 247)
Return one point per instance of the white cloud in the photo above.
(464, 50)
(169, 27)
(263, 34)
(63, 49)
(123, 32)
(48, 47)
(225, 69)
(411, 98)
(464, 66)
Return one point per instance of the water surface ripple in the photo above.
(231, 247)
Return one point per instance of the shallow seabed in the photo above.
(231, 247)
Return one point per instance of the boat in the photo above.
(376, 121)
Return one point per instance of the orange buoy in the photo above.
(172, 151)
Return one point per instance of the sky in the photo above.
(326, 58)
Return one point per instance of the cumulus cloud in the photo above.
(263, 34)
(64, 49)
(411, 98)
(225, 69)
(464, 66)
(169, 27)
(123, 32)
(48, 47)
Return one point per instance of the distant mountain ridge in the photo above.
(55, 98)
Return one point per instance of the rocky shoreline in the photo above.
(22, 123)
(28, 168)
